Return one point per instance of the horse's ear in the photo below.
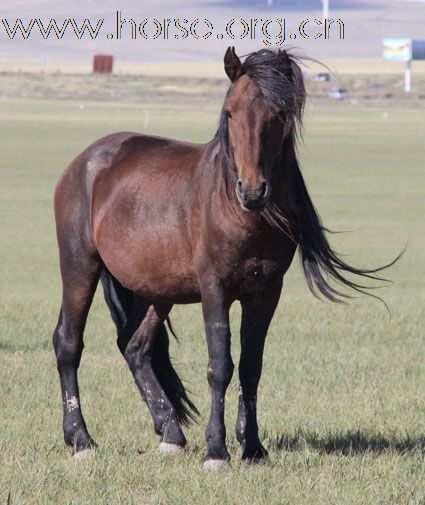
(232, 64)
(284, 63)
(284, 60)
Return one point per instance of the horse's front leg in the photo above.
(256, 317)
(220, 369)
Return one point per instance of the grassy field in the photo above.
(342, 398)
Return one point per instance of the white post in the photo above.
(325, 10)
(408, 77)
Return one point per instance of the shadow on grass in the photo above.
(346, 443)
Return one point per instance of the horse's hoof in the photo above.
(167, 448)
(83, 453)
(216, 464)
(258, 456)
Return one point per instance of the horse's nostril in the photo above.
(239, 186)
(263, 189)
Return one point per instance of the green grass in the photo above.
(342, 398)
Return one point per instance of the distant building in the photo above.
(102, 64)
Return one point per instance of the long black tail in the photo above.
(120, 303)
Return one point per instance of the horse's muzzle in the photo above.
(253, 199)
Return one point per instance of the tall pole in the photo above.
(408, 77)
(325, 10)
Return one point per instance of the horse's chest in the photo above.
(256, 275)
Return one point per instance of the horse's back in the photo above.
(108, 153)
(132, 197)
(116, 158)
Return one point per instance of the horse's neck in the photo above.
(220, 209)
(223, 181)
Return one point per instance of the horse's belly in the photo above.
(155, 279)
(171, 289)
(155, 263)
(166, 276)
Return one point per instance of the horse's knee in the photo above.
(249, 381)
(68, 345)
(220, 372)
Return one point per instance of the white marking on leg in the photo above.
(216, 464)
(171, 448)
(82, 454)
(72, 402)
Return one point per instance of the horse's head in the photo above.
(258, 113)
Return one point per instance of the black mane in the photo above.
(280, 80)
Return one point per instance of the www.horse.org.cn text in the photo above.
(268, 31)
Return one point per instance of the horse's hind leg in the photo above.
(138, 345)
(80, 275)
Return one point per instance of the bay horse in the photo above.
(164, 222)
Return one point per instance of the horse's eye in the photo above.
(228, 114)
